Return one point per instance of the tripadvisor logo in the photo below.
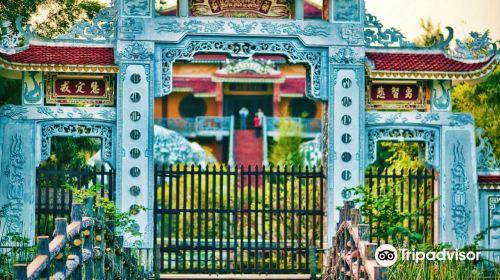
(387, 255)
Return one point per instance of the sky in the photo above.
(463, 15)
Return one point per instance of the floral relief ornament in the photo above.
(136, 51)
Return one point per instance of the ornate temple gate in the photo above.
(138, 50)
(331, 50)
(238, 220)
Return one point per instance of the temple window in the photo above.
(191, 107)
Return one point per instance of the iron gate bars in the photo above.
(237, 220)
(54, 200)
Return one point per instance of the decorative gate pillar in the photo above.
(17, 169)
(134, 169)
(345, 112)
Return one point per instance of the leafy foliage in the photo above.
(387, 221)
(14, 247)
(399, 155)
(72, 152)
(447, 269)
(431, 33)
(286, 150)
(123, 221)
(64, 14)
(483, 102)
(213, 192)
(10, 91)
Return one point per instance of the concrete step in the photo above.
(247, 148)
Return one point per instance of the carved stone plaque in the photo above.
(241, 8)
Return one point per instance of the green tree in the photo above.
(483, 102)
(11, 9)
(398, 155)
(63, 14)
(72, 152)
(286, 150)
(10, 91)
(431, 34)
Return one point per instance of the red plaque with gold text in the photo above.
(80, 89)
(386, 95)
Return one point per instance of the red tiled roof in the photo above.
(197, 85)
(423, 62)
(67, 55)
(489, 179)
(293, 85)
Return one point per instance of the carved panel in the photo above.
(103, 131)
(312, 59)
(441, 95)
(240, 8)
(460, 184)
(347, 10)
(136, 7)
(427, 135)
(33, 91)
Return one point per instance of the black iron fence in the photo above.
(54, 199)
(411, 191)
(238, 220)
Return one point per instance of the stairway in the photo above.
(247, 148)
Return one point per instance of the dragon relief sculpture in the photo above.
(485, 155)
(16, 184)
(33, 95)
(460, 213)
(478, 46)
(441, 102)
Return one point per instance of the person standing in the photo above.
(257, 124)
(243, 117)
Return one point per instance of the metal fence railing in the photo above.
(238, 220)
(54, 199)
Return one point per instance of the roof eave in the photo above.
(432, 75)
(70, 68)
